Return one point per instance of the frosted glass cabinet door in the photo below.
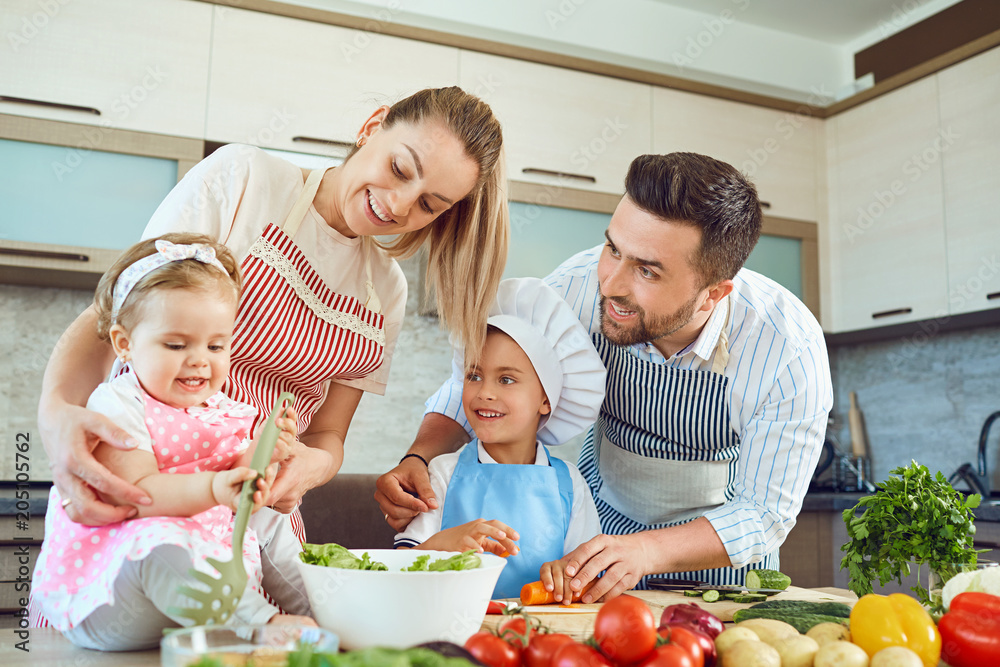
(543, 237)
(104, 201)
(780, 259)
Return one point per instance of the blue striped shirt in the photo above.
(779, 394)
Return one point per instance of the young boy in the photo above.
(538, 382)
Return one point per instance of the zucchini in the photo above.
(768, 579)
(801, 622)
(804, 607)
(710, 596)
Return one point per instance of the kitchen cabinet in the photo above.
(777, 150)
(297, 85)
(886, 227)
(116, 64)
(970, 122)
(562, 128)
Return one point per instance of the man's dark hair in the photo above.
(694, 189)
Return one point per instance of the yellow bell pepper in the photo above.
(879, 621)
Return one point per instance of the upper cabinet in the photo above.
(970, 135)
(117, 64)
(777, 150)
(887, 231)
(303, 86)
(562, 127)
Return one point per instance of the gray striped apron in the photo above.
(662, 451)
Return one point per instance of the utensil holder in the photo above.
(853, 473)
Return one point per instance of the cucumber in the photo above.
(744, 598)
(693, 594)
(768, 579)
(710, 596)
(803, 607)
(801, 622)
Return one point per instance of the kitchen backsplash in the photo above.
(924, 397)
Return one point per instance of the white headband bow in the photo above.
(166, 252)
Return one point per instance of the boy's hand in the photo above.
(481, 535)
(553, 576)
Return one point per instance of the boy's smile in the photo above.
(503, 400)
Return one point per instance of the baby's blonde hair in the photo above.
(184, 274)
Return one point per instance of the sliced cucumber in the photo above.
(749, 597)
(768, 579)
(693, 594)
(710, 596)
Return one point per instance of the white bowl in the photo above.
(399, 609)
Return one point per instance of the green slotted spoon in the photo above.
(218, 603)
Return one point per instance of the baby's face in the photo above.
(180, 347)
(502, 396)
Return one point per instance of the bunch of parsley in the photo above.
(913, 517)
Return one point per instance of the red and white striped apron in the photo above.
(293, 333)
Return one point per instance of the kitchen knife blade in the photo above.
(689, 585)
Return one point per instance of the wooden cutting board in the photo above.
(577, 621)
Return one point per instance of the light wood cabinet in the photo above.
(970, 127)
(298, 85)
(116, 64)
(777, 150)
(562, 127)
(886, 229)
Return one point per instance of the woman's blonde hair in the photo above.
(468, 242)
(184, 274)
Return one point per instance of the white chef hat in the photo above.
(569, 368)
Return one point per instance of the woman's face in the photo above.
(402, 178)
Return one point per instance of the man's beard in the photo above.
(644, 330)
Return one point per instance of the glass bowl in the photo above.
(234, 644)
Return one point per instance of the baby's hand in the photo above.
(481, 535)
(227, 485)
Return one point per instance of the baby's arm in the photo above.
(181, 494)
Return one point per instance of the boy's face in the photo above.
(502, 396)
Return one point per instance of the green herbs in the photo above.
(334, 555)
(912, 518)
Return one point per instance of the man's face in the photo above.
(649, 286)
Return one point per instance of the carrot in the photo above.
(535, 593)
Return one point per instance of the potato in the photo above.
(896, 656)
(750, 653)
(840, 654)
(769, 630)
(732, 635)
(797, 651)
(824, 633)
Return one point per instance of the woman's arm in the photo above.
(70, 432)
(319, 454)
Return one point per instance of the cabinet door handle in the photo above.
(45, 254)
(50, 105)
(890, 313)
(559, 174)
(765, 204)
(346, 145)
(993, 295)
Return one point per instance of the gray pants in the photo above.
(145, 589)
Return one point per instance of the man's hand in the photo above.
(404, 492)
(622, 557)
(480, 534)
(69, 439)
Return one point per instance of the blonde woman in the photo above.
(323, 301)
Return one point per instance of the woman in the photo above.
(323, 300)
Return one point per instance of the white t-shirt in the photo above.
(234, 193)
(584, 523)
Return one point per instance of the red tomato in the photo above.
(625, 629)
(493, 651)
(668, 655)
(578, 655)
(519, 626)
(542, 648)
(696, 643)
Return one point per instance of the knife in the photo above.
(663, 584)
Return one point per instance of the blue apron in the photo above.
(534, 500)
(666, 429)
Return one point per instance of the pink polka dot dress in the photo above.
(77, 566)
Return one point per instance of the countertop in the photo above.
(838, 502)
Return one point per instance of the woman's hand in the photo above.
(69, 436)
(404, 492)
(305, 468)
(227, 486)
(481, 535)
